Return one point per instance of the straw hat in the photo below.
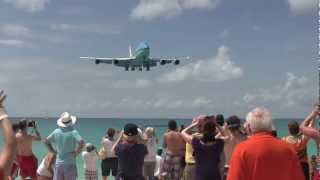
(66, 120)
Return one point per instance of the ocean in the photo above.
(93, 129)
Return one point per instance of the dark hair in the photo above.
(209, 132)
(172, 125)
(23, 124)
(90, 148)
(181, 127)
(159, 152)
(111, 132)
(234, 123)
(220, 119)
(293, 128)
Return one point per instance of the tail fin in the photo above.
(130, 51)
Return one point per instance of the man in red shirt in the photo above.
(262, 156)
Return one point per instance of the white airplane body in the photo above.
(140, 59)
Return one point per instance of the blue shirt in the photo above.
(65, 141)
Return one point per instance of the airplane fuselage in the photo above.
(139, 59)
(141, 55)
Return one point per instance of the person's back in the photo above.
(131, 159)
(24, 144)
(175, 144)
(67, 143)
(110, 164)
(230, 144)
(89, 159)
(108, 144)
(207, 159)
(65, 140)
(90, 156)
(264, 157)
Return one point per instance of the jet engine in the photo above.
(97, 61)
(116, 62)
(163, 62)
(176, 62)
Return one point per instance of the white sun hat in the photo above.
(66, 120)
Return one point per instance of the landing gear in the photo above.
(140, 68)
(133, 68)
(126, 68)
(148, 68)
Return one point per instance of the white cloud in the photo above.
(139, 83)
(288, 94)
(302, 6)
(86, 28)
(151, 9)
(215, 69)
(201, 101)
(12, 42)
(164, 102)
(29, 5)
(15, 30)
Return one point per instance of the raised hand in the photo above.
(2, 98)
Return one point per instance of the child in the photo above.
(45, 170)
(90, 156)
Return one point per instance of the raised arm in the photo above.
(117, 142)
(37, 137)
(306, 126)
(185, 135)
(9, 141)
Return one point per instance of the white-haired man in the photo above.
(263, 156)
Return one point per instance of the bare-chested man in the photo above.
(28, 163)
(175, 149)
(233, 137)
(314, 133)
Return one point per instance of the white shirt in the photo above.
(89, 159)
(107, 144)
(158, 165)
(43, 170)
(152, 150)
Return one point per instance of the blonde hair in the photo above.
(259, 119)
(149, 131)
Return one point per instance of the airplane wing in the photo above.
(116, 61)
(164, 61)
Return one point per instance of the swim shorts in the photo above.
(28, 166)
(171, 168)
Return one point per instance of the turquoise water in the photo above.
(92, 131)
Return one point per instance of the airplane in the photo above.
(140, 59)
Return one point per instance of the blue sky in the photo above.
(243, 54)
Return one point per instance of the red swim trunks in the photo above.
(28, 166)
(14, 169)
(316, 175)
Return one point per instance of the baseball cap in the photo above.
(130, 129)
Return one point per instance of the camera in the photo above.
(23, 124)
(31, 123)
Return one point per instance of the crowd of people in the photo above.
(210, 148)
